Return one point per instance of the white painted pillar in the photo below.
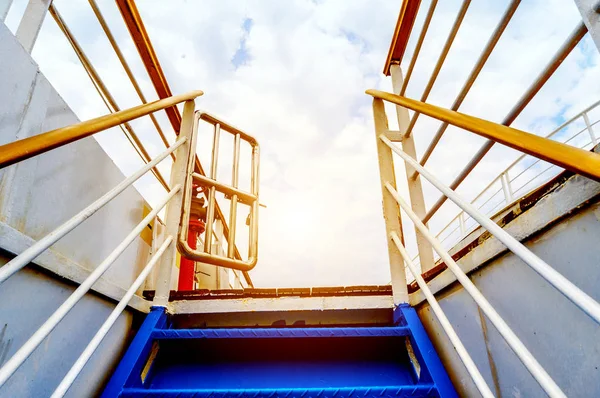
(4, 7)
(173, 212)
(590, 13)
(391, 211)
(30, 25)
(415, 189)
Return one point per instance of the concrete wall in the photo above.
(564, 340)
(36, 196)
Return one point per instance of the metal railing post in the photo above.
(391, 211)
(4, 8)
(173, 211)
(415, 189)
(461, 223)
(590, 13)
(506, 188)
(588, 125)
(30, 25)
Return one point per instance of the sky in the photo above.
(293, 74)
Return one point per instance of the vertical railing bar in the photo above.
(31, 23)
(419, 44)
(562, 284)
(440, 62)
(234, 198)
(254, 181)
(589, 128)
(505, 188)
(43, 331)
(461, 220)
(70, 377)
(415, 187)
(462, 352)
(537, 371)
(391, 211)
(210, 214)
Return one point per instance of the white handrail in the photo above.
(43, 331)
(556, 279)
(70, 377)
(478, 379)
(37, 248)
(534, 367)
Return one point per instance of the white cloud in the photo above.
(300, 91)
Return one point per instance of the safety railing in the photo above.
(29, 147)
(407, 124)
(176, 221)
(27, 34)
(522, 176)
(565, 156)
(236, 196)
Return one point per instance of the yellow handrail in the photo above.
(26, 148)
(571, 158)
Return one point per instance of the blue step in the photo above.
(280, 362)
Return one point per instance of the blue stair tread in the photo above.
(428, 390)
(248, 333)
(281, 374)
(225, 364)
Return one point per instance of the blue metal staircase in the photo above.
(384, 361)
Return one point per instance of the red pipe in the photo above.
(187, 268)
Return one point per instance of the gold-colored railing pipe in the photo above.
(29, 147)
(571, 158)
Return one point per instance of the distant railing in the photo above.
(524, 175)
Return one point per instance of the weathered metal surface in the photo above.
(590, 13)
(31, 23)
(341, 291)
(564, 339)
(231, 306)
(391, 212)
(39, 194)
(38, 293)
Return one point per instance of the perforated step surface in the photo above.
(280, 362)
